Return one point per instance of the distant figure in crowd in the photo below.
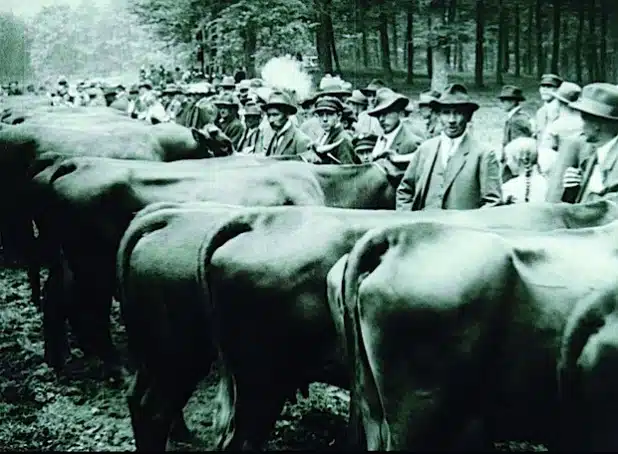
(367, 124)
(548, 112)
(527, 184)
(427, 112)
(335, 145)
(228, 119)
(453, 171)
(287, 139)
(251, 140)
(517, 123)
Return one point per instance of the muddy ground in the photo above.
(83, 412)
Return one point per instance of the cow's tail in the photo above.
(137, 229)
(588, 318)
(364, 257)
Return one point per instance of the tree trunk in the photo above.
(517, 41)
(439, 76)
(460, 58)
(555, 52)
(410, 42)
(529, 59)
(331, 39)
(362, 5)
(566, 46)
(592, 63)
(506, 48)
(540, 62)
(603, 38)
(501, 43)
(429, 51)
(323, 37)
(250, 45)
(480, 51)
(384, 47)
(579, 40)
(451, 15)
(395, 40)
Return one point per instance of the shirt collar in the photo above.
(455, 142)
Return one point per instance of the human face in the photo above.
(508, 104)
(224, 112)
(252, 121)
(424, 112)
(546, 92)
(356, 108)
(453, 120)
(276, 118)
(590, 127)
(389, 120)
(328, 119)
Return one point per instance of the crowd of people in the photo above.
(542, 158)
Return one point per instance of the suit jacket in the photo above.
(518, 125)
(609, 170)
(472, 177)
(344, 152)
(293, 142)
(405, 141)
(250, 141)
(234, 129)
(573, 152)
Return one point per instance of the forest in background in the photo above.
(416, 38)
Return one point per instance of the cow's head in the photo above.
(213, 141)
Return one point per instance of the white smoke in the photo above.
(285, 73)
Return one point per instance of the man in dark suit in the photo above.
(396, 138)
(453, 170)
(598, 107)
(517, 122)
(287, 138)
(251, 140)
(227, 119)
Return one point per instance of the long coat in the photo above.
(293, 142)
(472, 177)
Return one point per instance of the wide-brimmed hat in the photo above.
(328, 104)
(252, 109)
(307, 103)
(228, 82)
(599, 99)
(280, 100)
(332, 86)
(364, 142)
(387, 99)
(373, 87)
(455, 95)
(426, 97)
(145, 84)
(227, 100)
(551, 80)
(511, 92)
(171, 89)
(358, 98)
(262, 94)
(568, 92)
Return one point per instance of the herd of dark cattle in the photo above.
(451, 329)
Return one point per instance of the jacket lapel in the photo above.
(286, 141)
(456, 163)
(610, 162)
(399, 138)
(589, 165)
(427, 167)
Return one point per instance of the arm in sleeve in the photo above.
(346, 152)
(490, 182)
(404, 195)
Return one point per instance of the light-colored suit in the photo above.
(471, 178)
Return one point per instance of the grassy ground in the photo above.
(82, 411)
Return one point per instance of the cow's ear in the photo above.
(198, 135)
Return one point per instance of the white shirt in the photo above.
(448, 147)
(385, 141)
(595, 184)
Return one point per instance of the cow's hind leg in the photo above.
(54, 307)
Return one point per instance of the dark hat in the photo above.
(145, 84)
(227, 100)
(307, 103)
(358, 98)
(228, 82)
(511, 92)
(568, 92)
(328, 104)
(455, 95)
(280, 100)
(252, 109)
(550, 80)
(599, 99)
(387, 99)
(364, 142)
(348, 114)
(133, 90)
(120, 87)
(171, 89)
(425, 97)
(372, 88)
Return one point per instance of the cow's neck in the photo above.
(355, 186)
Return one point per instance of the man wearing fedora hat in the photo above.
(227, 117)
(227, 84)
(389, 110)
(453, 170)
(287, 138)
(428, 113)
(598, 107)
(371, 90)
(251, 140)
(548, 112)
(335, 144)
(517, 123)
(365, 124)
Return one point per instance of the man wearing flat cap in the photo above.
(453, 171)
(598, 107)
(363, 146)
(548, 112)
(251, 140)
(228, 119)
(517, 123)
(287, 138)
(389, 110)
(335, 144)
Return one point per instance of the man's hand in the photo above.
(572, 177)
